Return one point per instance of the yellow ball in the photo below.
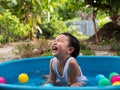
(23, 78)
(116, 83)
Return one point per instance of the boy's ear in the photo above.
(71, 49)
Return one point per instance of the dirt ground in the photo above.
(7, 52)
(108, 32)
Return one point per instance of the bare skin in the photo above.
(73, 73)
(62, 51)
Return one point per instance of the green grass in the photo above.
(48, 53)
(84, 52)
(87, 52)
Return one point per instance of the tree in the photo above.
(111, 7)
(23, 9)
(66, 9)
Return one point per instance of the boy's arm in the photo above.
(52, 77)
(73, 72)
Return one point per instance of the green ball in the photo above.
(104, 82)
(112, 74)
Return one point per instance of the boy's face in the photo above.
(60, 46)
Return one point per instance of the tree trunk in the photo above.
(94, 24)
(115, 19)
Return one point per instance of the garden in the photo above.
(28, 29)
(31, 25)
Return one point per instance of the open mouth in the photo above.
(54, 48)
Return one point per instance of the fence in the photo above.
(85, 26)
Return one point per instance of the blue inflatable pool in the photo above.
(39, 66)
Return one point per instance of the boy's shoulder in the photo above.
(73, 61)
(53, 59)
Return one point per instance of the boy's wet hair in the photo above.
(73, 42)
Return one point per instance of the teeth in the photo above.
(54, 48)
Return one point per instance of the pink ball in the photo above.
(2, 80)
(115, 78)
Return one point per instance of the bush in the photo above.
(11, 29)
(104, 42)
(47, 29)
(33, 50)
(25, 50)
(52, 29)
(102, 21)
(60, 27)
(85, 50)
(74, 30)
(1, 39)
(116, 47)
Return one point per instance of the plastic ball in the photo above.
(116, 83)
(48, 85)
(104, 82)
(113, 74)
(99, 76)
(115, 78)
(2, 80)
(23, 78)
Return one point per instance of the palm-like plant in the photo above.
(28, 11)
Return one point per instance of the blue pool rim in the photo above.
(18, 87)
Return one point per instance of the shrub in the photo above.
(1, 39)
(102, 21)
(25, 50)
(48, 30)
(85, 50)
(43, 44)
(52, 29)
(116, 47)
(74, 30)
(32, 50)
(11, 29)
(59, 26)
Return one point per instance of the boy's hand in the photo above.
(77, 84)
(46, 76)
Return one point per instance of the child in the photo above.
(64, 70)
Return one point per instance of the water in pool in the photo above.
(35, 79)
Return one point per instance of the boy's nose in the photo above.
(54, 42)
